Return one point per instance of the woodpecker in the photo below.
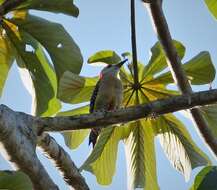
(107, 95)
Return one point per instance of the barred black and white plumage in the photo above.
(106, 96)
(94, 132)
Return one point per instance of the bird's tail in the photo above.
(94, 133)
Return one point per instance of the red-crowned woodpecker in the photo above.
(107, 95)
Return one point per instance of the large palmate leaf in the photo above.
(139, 136)
(140, 156)
(56, 6)
(64, 52)
(210, 114)
(196, 70)
(12, 180)
(42, 75)
(206, 179)
(6, 60)
(212, 5)
(158, 61)
(74, 138)
(105, 56)
(178, 146)
(76, 89)
(102, 160)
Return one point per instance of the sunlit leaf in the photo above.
(74, 138)
(76, 89)
(158, 61)
(140, 155)
(105, 56)
(206, 179)
(196, 70)
(6, 60)
(178, 146)
(30, 56)
(102, 160)
(210, 114)
(212, 5)
(12, 180)
(56, 6)
(64, 52)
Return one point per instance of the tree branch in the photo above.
(133, 42)
(175, 65)
(97, 119)
(19, 132)
(19, 140)
(63, 162)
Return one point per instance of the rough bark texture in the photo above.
(63, 162)
(19, 140)
(175, 65)
(18, 133)
(104, 119)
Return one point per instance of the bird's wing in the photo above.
(93, 97)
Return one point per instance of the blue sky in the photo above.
(105, 25)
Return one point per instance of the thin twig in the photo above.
(174, 63)
(134, 47)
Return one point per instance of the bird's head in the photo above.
(112, 70)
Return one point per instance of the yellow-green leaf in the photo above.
(105, 56)
(31, 58)
(11, 180)
(196, 70)
(64, 52)
(76, 89)
(55, 6)
(6, 60)
(178, 145)
(140, 155)
(74, 138)
(212, 6)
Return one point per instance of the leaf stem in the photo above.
(134, 47)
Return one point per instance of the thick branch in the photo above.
(174, 63)
(19, 140)
(158, 107)
(63, 162)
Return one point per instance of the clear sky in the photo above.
(105, 24)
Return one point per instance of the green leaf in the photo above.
(12, 180)
(76, 89)
(212, 6)
(210, 112)
(140, 155)
(64, 52)
(105, 56)
(6, 60)
(178, 145)
(206, 179)
(158, 61)
(56, 6)
(102, 160)
(74, 138)
(196, 70)
(39, 69)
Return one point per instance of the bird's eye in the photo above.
(109, 66)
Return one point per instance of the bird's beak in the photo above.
(121, 63)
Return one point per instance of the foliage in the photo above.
(212, 6)
(206, 179)
(25, 38)
(12, 180)
(139, 136)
